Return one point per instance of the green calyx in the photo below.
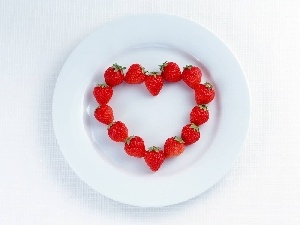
(203, 107)
(194, 127)
(161, 67)
(179, 139)
(127, 140)
(102, 85)
(118, 67)
(144, 70)
(188, 67)
(110, 125)
(208, 85)
(153, 74)
(154, 148)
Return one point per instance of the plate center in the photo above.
(153, 118)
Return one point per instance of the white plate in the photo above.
(150, 39)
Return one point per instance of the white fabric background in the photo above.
(38, 187)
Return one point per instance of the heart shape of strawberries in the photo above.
(136, 74)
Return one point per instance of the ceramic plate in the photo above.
(150, 39)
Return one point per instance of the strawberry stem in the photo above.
(161, 67)
(154, 148)
(144, 70)
(204, 107)
(195, 127)
(188, 67)
(127, 140)
(179, 139)
(102, 85)
(153, 74)
(109, 125)
(118, 67)
(208, 85)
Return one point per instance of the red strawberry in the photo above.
(204, 93)
(190, 134)
(154, 83)
(170, 71)
(134, 146)
(199, 115)
(103, 93)
(154, 157)
(135, 74)
(104, 114)
(191, 75)
(117, 131)
(173, 147)
(114, 75)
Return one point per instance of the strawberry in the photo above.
(104, 114)
(173, 147)
(154, 157)
(204, 93)
(199, 115)
(135, 74)
(114, 75)
(190, 134)
(117, 131)
(103, 93)
(134, 146)
(154, 83)
(170, 71)
(191, 75)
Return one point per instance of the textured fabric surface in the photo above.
(38, 187)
